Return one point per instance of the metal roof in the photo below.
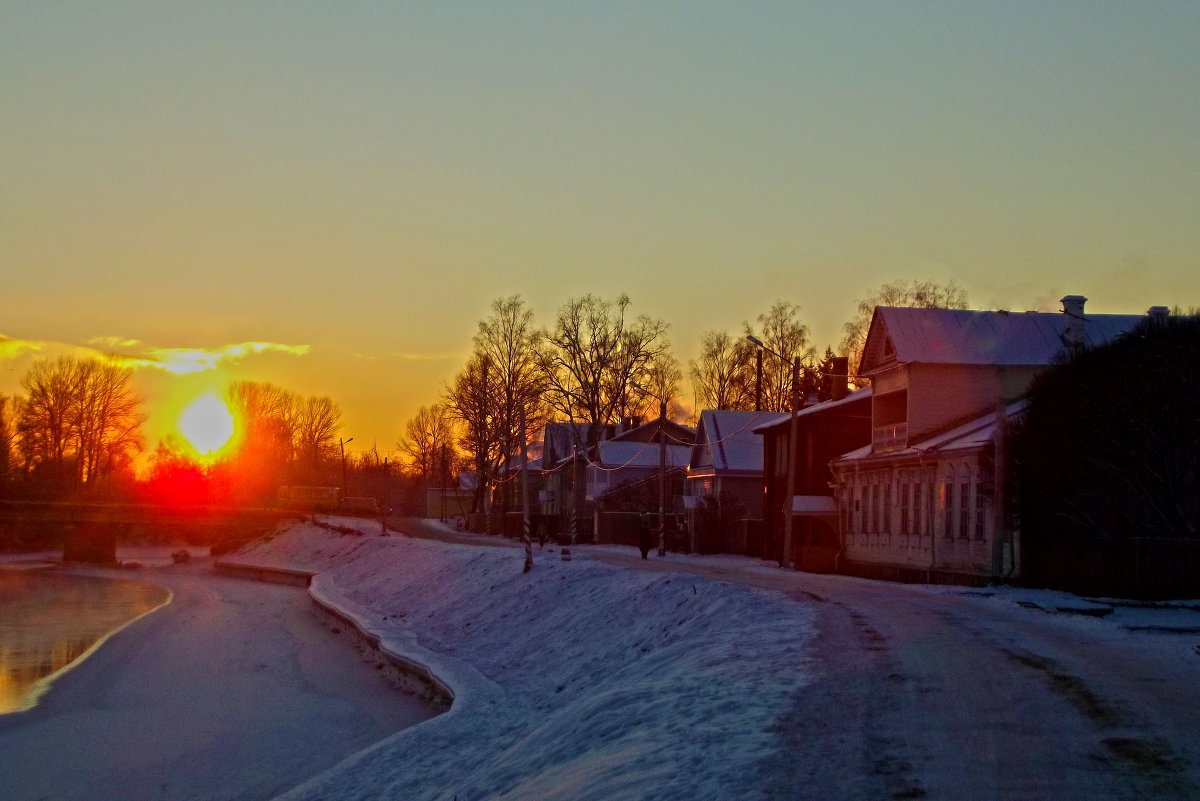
(613, 453)
(727, 441)
(954, 336)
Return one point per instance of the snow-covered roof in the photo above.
(954, 336)
(968, 436)
(613, 453)
(816, 408)
(727, 442)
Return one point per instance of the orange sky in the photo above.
(350, 186)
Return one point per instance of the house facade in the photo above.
(725, 478)
(824, 431)
(923, 499)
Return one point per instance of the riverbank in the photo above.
(232, 691)
(577, 680)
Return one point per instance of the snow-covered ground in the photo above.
(709, 677)
(577, 680)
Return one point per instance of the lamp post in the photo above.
(342, 444)
(662, 467)
(785, 559)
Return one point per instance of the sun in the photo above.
(207, 424)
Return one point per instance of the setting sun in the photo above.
(207, 424)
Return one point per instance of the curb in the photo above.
(410, 677)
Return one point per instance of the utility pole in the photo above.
(785, 559)
(342, 444)
(662, 478)
(525, 496)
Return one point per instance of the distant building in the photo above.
(725, 470)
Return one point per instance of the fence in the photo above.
(1150, 569)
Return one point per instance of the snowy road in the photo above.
(953, 693)
(233, 691)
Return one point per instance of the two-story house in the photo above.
(922, 500)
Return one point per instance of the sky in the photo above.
(329, 196)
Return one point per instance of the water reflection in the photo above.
(49, 620)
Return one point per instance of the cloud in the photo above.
(12, 348)
(182, 361)
(411, 357)
(114, 342)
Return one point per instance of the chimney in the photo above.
(1158, 314)
(840, 373)
(1074, 334)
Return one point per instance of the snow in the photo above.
(576, 680)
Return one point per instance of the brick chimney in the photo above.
(840, 370)
(1074, 334)
(1158, 314)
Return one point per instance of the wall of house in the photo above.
(934, 515)
(941, 395)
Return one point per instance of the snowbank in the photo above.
(577, 680)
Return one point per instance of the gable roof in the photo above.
(955, 336)
(648, 432)
(614, 454)
(726, 441)
(824, 407)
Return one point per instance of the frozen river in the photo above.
(232, 691)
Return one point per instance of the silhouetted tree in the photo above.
(905, 294)
(1110, 443)
(592, 355)
(723, 375)
(782, 331)
(424, 438)
(79, 422)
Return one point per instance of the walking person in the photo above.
(645, 536)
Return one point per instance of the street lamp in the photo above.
(785, 559)
(662, 467)
(342, 444)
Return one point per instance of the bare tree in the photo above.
(108, 420)
(318, 420)
(79, 421)
(908, 294)
(472, 399)
(7, 434)
(593, 353)
(782, 331)
(662, 378)
(723, 374)
(426, 436)
(509, 343)
(267, 415)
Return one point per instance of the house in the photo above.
(725, 478)
(824, 431)
(921, 500)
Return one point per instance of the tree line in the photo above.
(76, 429)
(597, 364)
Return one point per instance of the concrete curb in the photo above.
(410, 676)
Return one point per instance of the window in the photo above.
(964, 503)
(978, 507)
(905, 499)
(947, 508)
(887, 508)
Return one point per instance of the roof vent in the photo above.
(1158, 312)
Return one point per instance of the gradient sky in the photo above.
(352, 184)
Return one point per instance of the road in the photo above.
(963, 695)
(232, 691)
(968, 694)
